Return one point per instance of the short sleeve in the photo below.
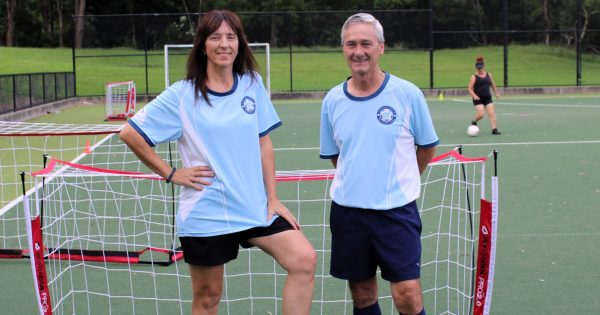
(160, 121)
(421, 122)
(328, 148)
(267, 116)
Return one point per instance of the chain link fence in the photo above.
(21, 91)
(306, 51)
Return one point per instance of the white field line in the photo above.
(475, 144)
(529, 235)
(535, 104)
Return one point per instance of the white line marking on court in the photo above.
(295, 149)
(535, 104)
(475, 144)
(548, 234)
(524, 143)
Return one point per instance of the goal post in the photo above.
(179, 66)
(120, 100)
(115, 213)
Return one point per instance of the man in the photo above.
(378, 133)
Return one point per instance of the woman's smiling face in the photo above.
(222, 46)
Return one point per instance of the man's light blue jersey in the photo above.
(374, 139)
(225, 137)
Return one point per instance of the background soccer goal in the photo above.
(110, 243)
(176, 58)
(120, 100)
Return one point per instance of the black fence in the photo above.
(21, 91)
(130, 47)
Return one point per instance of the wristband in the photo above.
(168, 179)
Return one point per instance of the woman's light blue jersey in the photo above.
(374, 139)
(224, 136)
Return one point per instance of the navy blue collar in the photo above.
(235, 83)
(368, 97)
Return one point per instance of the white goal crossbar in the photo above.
(267, 62)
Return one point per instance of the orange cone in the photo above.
(87, 149)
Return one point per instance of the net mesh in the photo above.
(111, 243)
(124, 215)
(450, 212)
(22, 149)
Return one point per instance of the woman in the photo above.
(479, 88)
(221, 116)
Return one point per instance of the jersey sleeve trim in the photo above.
(328, 156)
(430, 145)
(264, 133)
(141, 132)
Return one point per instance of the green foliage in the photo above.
(305, 23)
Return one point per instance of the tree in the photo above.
(478, 8)
(44, 8)
(590, 8)
(546, 22)
(79, 22)
(59, 13)
(11, 6)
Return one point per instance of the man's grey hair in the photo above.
(364, 18)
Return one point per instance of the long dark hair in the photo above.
(197, 60)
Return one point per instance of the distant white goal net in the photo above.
(106, 240)
(176, 58)
(120, 100)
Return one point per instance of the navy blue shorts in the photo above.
(217, 250)
(484, 100)
(364, 239)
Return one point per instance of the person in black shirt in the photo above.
(479, 88)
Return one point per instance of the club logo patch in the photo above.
(386, 115)
(248, 105)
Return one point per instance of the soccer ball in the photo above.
(473, 131)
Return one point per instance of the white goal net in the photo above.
(120, 100)
(176, 58)
(109, 243)
(23, 148)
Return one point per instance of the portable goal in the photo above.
(105, 233)
(23, 148)
(120, 100)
